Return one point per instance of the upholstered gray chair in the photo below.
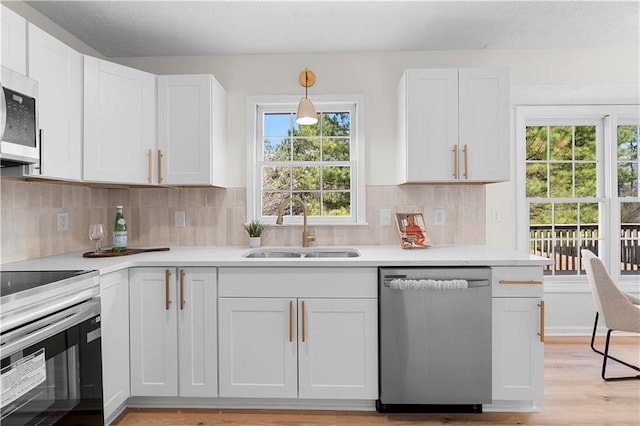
(620, 311)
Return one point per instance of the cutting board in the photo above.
(127, 252)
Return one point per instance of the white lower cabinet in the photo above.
(518, 334)
(114, 302)
(173, 332)
(308, 334)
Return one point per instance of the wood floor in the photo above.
(574, 395)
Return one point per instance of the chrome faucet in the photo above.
(306, 237)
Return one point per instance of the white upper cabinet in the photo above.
(14, 40)
(453, 125)
(191, 130)
(119, 123)
(58, 70)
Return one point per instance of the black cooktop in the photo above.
(17, 281)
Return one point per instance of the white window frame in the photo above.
(609, 116)
(354, 103)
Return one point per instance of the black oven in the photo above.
(51, 367)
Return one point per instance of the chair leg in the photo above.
(606, 356)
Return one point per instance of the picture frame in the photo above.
(412, 231)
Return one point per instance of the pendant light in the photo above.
(306, 111)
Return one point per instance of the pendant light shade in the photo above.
(306, 114)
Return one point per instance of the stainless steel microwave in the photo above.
(18, 119)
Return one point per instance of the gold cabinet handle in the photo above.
(167, 277)
(465, 152)
(150, 155)
(455, 161)
(160, 166)
(541, 333)
(291, 320)
(520, 282)
(303, 323)
(182, 289)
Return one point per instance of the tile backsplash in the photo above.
(214, 216)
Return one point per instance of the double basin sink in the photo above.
(298, 253)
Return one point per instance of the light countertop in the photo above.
(370, 256)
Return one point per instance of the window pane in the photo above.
(586, 180)
(627, 143)
(566, 237)
(336, 204)
(311, 200)
(585, 143)
(278, 124)
(306, 149)
(276, 178)
(276, 149)
(536, 143)
(271, 201)
(589, 229)
(305, 178)
(536, 180)
(336, 177)
(561, 140)
(336, 149)
(627, 179)
(561, 180)
(336, 124)
(540, 231)
(630, 238)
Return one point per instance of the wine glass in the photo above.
(96, 233)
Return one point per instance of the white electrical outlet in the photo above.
(63, 222)
(180, 218)
(385, 217)
(439, 216)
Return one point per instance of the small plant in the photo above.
(254, 228)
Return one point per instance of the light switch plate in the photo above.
(385, 217)
(180, 218)
(439, 216)
(63, 222)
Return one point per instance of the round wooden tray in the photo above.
(127, 252)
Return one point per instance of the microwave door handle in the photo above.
(40, 151)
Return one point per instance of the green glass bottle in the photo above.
(119, 231)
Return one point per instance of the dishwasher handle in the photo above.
(472, 283)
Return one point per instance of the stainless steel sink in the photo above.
(313, 252)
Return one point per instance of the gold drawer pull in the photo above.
(455, 161)
(167, 277)
(541, 333)
(465, 150)
(520, 282)
(150, 155)
(290, 320)
(303, 323)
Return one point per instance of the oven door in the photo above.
(51, 371)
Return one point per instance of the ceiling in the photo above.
(170, 28)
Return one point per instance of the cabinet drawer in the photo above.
(298, 282)
(517, 281)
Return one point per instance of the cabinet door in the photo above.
(114, 302)
(338, 348)
(119, 123)
(431, 125)
(58, 70)
(154, 334)
(197, 332)
(518, 352)
(14, 40)
(484, 124)
(191, 135)
(257, 348)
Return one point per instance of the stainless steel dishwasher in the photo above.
(435, 339)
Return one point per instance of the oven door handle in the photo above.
(41, 330)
